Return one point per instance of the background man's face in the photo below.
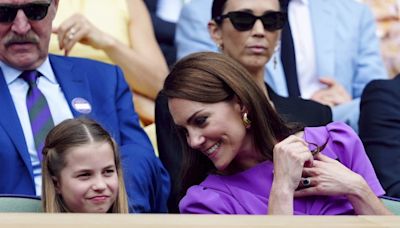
(24, 43)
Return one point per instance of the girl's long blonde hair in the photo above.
(72, 133)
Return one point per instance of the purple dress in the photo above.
(247, 192)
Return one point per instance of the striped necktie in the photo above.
(38, 109)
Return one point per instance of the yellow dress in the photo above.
(109, 16)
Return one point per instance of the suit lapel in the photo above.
(10, 122)
(322, 15)
(73, 81)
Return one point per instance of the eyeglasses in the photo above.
(33, 11)
(244, 21)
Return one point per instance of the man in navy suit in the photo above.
(380, 131)
(72, 87)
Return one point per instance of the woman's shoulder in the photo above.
(335, 131)
(344, 145)
(339, 140)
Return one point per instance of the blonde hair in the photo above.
(69, 134)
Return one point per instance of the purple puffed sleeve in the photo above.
(345, 146)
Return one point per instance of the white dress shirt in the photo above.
(56, 100)
(302, 33)
(169, 10)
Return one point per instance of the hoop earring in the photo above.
(220, 47)
(276, 50)
(246, 121)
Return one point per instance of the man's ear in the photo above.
(215, 33)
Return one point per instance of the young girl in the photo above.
(81, 170)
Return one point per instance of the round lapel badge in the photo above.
(81, 105)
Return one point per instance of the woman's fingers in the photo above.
(310, 171)
(290, 156)
(71, 31)
(293, 138)
(310, 191)
(323, 158)
(63, 31)
(328, 177)
(306, 182)
(74, 35)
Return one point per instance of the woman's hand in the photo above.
(330, 177)
(78, 28)
(290, 157)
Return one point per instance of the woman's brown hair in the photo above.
(209, 77)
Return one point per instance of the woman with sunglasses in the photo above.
(241, 158)
(247, 31)
(250, 34)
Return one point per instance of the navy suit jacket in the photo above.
(380, 131)
(104, 87)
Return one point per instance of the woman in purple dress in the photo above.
(241, 157)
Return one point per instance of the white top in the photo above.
(58, 105)
(169, 10)
(302, 33)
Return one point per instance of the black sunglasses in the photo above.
(33, 11)
(244, 21)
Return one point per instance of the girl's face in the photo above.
(89, 181)
(216, 130)
(252, 48)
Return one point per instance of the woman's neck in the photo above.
(247, 157)
(258, 76)
(242, 163)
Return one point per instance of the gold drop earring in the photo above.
(246, 121)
